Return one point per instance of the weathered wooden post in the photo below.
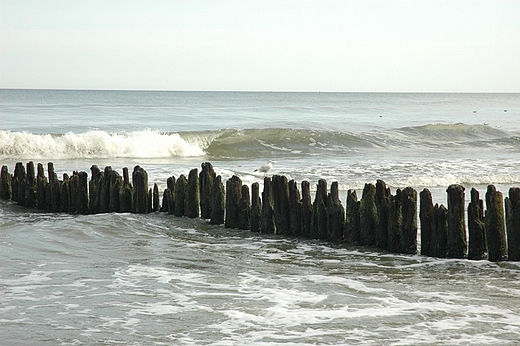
(352, 218)
(319, 212)
(65, 200)
(495, 227)
(41, 187)
(141, 203)
(256, 208)
(6, 182)
(30, 186)
(155, 198)
(268, 224)
(168, 205)
(336, 214)
(82, 196)
(244, 209)
(104, 190)
(395, 222)
(179, 202)
(295, 209)
(115, 187)
(382, 195)
(207, 178)
(457, 244)
(408, 234)
(94, 189)
(53, 189)
(193, 194)
(218, 202)
(368, 216)
(439, 245)
(280, 189)
(306, 209)
(426, 216)
(18, 192)
(476, 228)
(513, 224)
(126, 193)
(233, 197)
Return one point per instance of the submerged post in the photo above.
(193, 194)
(352, 218)
(295, 209)
(206, 178)
(5, 183)
(368, 216)
(233, 197)
(306, 209)
(218, 202)
(256, 208)
(408, 198)
(268, 224)
(319, 211)
(280, 188)
(426, 216)
(244, 209)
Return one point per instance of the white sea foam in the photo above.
(95, 144)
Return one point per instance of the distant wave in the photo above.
(248, 143)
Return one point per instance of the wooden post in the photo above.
(53, 189)
(155, 198)
(476, 228)
(281, 204)
(295, 209)
(126, 194)
(181, 188)
(336, 214)
(82, 197)
(382, 195)
(104, 190)
(268, 224)
(218, 202)
(256, 208)
(368, 216)
(319, 212)
(18, 192)
(395, 222)
(141, 203)
(65, 200)
(207, 178)
(6, 184)
(426, 216)
(30, 186)
(408, 234)
(457, 244)
(440, 232)
(168, 198)
(94, 189)
(233, 197)
(41, 187)
(495, 227)
(244, 209)
(193, 194)
(115, 188)
(352, 217)
(513, 223)
(306, 209)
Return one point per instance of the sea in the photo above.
(157, 279)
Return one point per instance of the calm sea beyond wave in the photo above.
(157, 279)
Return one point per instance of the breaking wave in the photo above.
(247, 143)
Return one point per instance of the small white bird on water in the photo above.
(265, 168)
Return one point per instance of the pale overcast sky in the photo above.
(278, 45)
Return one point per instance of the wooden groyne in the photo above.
(379, 219)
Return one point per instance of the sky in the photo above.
(268, 45)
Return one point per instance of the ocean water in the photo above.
(160, 280)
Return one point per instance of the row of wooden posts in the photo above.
(378, 219)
